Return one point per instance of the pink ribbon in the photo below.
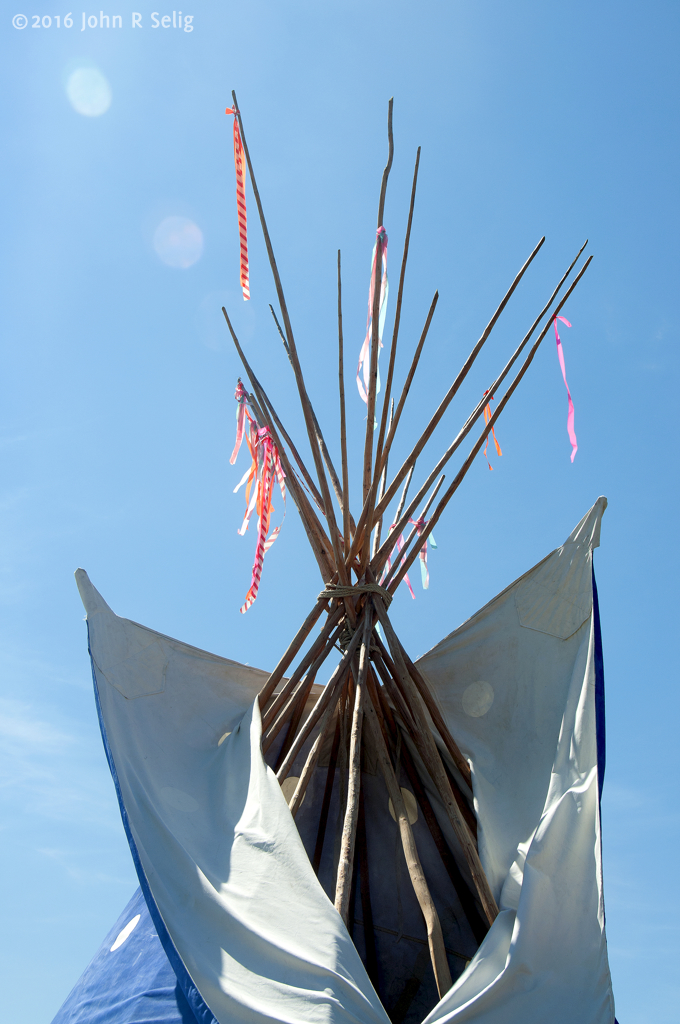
(570, 414)
(364, 367)
(420, 525)
(399, 545)
(241, 413)
(264, 471)
(269, 470)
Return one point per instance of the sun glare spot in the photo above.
(88, 91)
(178, 242)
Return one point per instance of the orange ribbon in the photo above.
(240, 165)
(487, 418)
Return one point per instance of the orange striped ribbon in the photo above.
(240, 165)
(264, 473)
(487, 417)
(269, 471)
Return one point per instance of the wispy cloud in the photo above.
(47, 771)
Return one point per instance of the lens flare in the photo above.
(178, 242)
(89, 92)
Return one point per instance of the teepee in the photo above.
(391, 841)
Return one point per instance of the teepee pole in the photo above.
(299, 705)
(294, 646)
(400, 506)
(309, 519)
(274, 725)
(367, 511)
(328, 788)
(462, 374)
(432, 758)
(435, 937)
(414, 531)
(397, 317)
(371, 514)
(314, 491)
(375, 337)
(322, 646)
(400, 697)
(393, 688)
(320, 543)
(330, 690)
(454, 750)
(346, 517)
(487, 430)
(381, 490)
(479, 409)
(292, 713)
(317, 429)
(365, 891)
(478, 926)
(302, 390)
(343, 884)
(407, 385)
(390, 686)
(313, 756)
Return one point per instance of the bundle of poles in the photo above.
(376, 697)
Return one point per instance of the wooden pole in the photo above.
(346, 518)
(302, 686)
(319, 434)
(370, 515)
(435, 937)
(414, 531)
(316, 535)
(309, 519)
(391, 687)
(322, 645)
(428, 751)
(298, 711)
(302, 390)
(462, 374)
(478, 926)
(330, 690)
(381, 491)
(345, 867)
(375, 338)
(294, 646)
(365, 888)
(442, 728)
(477, 412)
(328, 789)
(356, 543)
(291, 446)
(487, 430)
(312, 757)
(407, 385)
(397, 316)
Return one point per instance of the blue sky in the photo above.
(117, 415)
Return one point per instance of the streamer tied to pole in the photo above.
(487, 418)
(364, 367)
(240, 165)
(388, 565)
(570, 414)
(420, 525)
(260, 479)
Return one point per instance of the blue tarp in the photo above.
(133, 984)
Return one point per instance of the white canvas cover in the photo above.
(222, 864)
